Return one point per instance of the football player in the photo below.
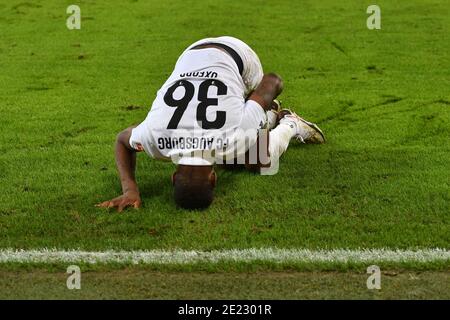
(213, 109)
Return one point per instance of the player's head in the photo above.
(194, 186)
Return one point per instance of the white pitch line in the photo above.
(339, 256)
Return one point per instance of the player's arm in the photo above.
(270, 87)
(126, 164)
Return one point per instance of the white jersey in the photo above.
(201, 105)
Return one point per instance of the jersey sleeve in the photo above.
(140, 138)
(254, 116)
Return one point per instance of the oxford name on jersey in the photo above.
(206, 74)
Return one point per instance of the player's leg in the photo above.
(289, 126)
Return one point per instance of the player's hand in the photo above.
(128, 199)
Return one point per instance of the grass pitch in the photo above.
(381, 96)
(144, 284)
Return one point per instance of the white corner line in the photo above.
(339, 256)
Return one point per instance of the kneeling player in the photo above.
(216, 93)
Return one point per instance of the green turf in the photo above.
(138, 284)
(381, 96)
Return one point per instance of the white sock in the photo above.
(278, 143)
(280, 137)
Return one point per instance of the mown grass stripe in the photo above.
(234, 255)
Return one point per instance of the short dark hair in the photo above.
(193, 193)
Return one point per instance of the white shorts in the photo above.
(253, 71)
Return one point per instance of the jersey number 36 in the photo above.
(205, 101)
